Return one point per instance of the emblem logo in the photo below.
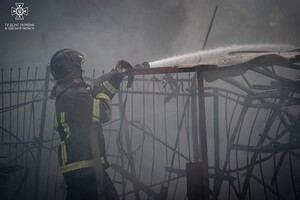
(19, 11)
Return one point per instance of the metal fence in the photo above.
(252, 136)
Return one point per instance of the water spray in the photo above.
(212, 58)
(206, 55)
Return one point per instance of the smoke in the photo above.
(106, 31)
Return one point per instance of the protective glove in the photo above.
(123, 67)
(110, 83)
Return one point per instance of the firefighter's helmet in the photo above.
(65, 65)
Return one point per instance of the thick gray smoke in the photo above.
(137, 31)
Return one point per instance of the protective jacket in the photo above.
(77, 106)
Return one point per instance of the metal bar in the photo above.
(188, 123)
(194, 181)
(183, 93)
(202, 137)
(2, 113)
(22, 81)
(41, 134)
(153, 140)
(18, 100)
(269, 149)
(194, 120)
(144, 120)
(129, 150)
(166, 130)
(31, 116)
(177, 122)
(10, 108)
(144, 79)
(227, 130)
(210, 26)
(124, 181)
(292, 176)
(156, 79)
(161, 70)
(10, 115)
(216, 143)
(24, 127)
(21, 91)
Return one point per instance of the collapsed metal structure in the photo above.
(243, 134)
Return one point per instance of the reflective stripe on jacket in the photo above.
(76, 109)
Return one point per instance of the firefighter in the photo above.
(79, 109)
